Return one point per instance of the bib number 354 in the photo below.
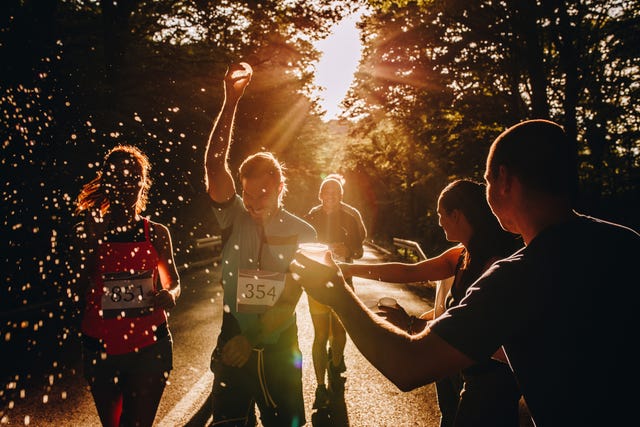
(258, 290)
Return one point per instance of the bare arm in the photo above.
(428, 315)
(437, 268)
(407, 361)
(166, 297)
(218, 178)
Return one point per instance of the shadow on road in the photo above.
(202, 417)
(333, 416)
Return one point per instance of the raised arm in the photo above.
(218, 178)
(437, 268)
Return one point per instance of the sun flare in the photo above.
(341, 52)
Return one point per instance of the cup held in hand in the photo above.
(387, 302)
(317, 269)
(314, 251)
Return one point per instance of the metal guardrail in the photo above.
(205, 242)
(409, 246)
(377, 247)
(202, 243)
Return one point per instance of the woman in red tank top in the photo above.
(131, 281)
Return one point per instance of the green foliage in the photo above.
(84, 76)
(438, 81)
(449, 76)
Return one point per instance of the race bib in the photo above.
(258, 290)
(127, 294)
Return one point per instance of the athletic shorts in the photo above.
(154, 361)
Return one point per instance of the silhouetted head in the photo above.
(123, 179)
(539, 153)
(263, 184)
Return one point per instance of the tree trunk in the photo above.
(115, 30)
(567, 46)
(526, 16)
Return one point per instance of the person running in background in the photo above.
(362, 229)
(339, 226)
(257, 359)
(547, 305)
(488, 394)
(131, 281)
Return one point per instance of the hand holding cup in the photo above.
(392, 312)
(314, 269)
(315, 251)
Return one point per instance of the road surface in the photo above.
(50, 390)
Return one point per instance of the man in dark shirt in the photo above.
(561, 308)
(340, 227)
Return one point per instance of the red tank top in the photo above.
(117, 310)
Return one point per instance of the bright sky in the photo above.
(334, 72)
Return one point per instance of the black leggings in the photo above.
(127, 388)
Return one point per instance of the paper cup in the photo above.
(387, 302)
(315, 251)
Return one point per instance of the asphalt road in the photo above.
(47, 388)
(369, 398)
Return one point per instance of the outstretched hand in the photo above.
(396, 315)
(323, 281)
(339, 250)
(237, 79)
(399, 317)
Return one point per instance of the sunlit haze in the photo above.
(340, 56)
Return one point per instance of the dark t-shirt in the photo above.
(562, 307)
(337, 227)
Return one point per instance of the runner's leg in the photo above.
(232, 401)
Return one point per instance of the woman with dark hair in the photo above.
(488, 395)
(131, 281)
